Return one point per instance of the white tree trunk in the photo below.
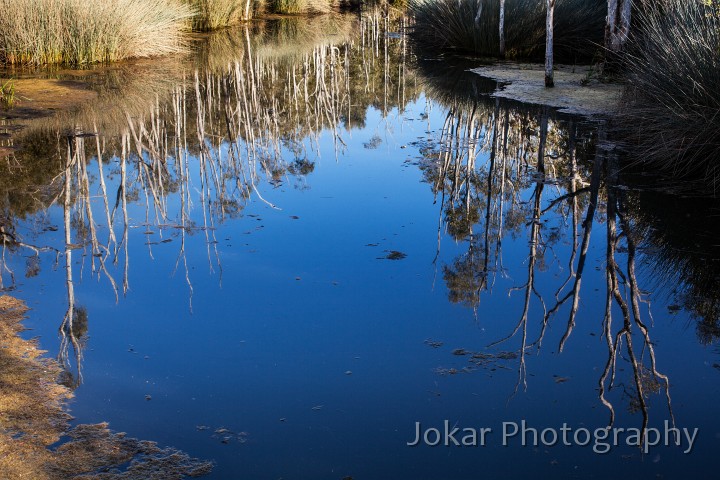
(617, 25)
(502, 28)
(478, 16)
(549, 82)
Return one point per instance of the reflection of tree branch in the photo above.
(587, 229)
(635, 299)
(614, 210)
(534, 242)
(491, 171)
(66, 331)
(562, 198)
(574, 199)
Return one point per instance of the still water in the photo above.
(282, 253)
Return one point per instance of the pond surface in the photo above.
(282, 253)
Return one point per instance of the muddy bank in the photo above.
(577, 89)
(33, 417)
(39, 98)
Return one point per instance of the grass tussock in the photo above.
(673, 67)
(80, 31)
(214, 14)
(301, 6)
(456, 26)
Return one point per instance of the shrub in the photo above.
(452, 25)
(673, 68)
(88, 31)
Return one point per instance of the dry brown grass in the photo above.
(81, 31)
(33, 417)
(214, 14)
(302, 6)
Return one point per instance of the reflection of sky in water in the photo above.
(300, 302)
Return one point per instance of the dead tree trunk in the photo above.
(549, 82)
(617, 25)
(502, 28)
(248, 9)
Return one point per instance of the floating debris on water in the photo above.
(225, 435)
(486, 361)
(393, 255)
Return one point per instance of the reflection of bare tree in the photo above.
(193, 147)
(631, 316)
(526, 171)
(67, 330)
(477, 172)
(536, 246)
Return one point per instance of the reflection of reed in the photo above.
(196, 144)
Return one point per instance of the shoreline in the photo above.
(576, 91)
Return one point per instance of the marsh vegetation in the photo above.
(666, 52)
(79, 32)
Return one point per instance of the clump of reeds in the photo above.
(472, 26)
(673, 67)
(89, 31)
(214, 14)
(301, 6)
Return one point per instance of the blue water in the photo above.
(319, 354)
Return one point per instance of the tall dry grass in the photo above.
(214, 14)
(302, 6)
(90, 31)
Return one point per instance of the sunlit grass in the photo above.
(7, 94)
(214, 14)
(82, 31)
(301, 6)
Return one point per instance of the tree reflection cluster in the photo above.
(188, 142)
(504, 170)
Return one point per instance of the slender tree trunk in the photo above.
(549, 82)
(617, 25)
(478, 15)
(502, 28)
(248, 5)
